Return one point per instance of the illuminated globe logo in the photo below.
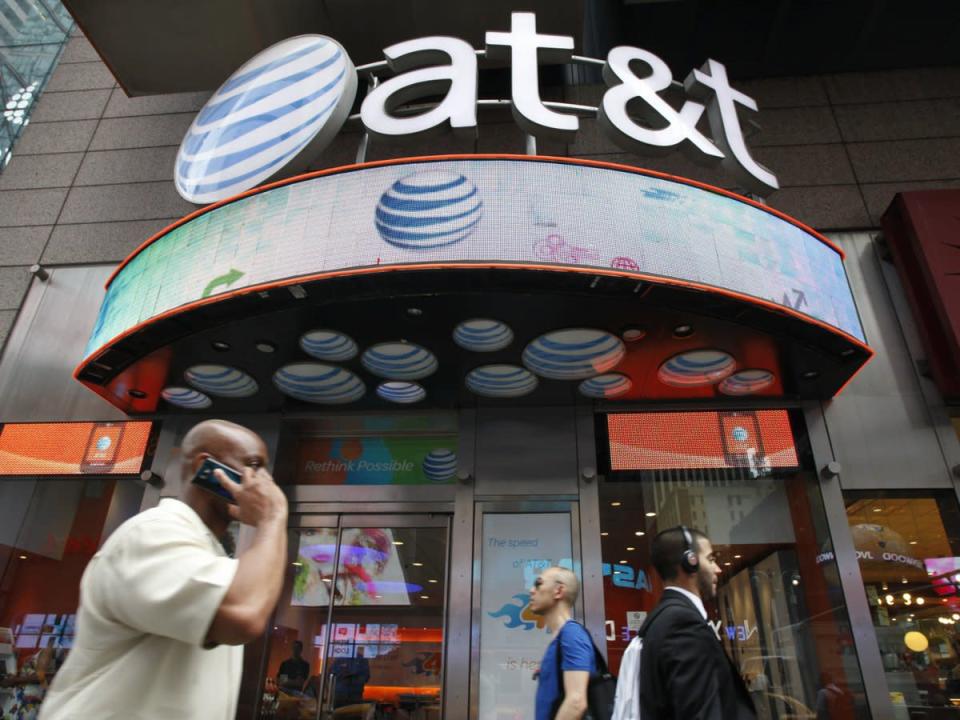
(428, 209)
(103, 444)
(284, 105)
(740, 434)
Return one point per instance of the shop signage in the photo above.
(287, 103)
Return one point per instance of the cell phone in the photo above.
(740, 432)
(102, 447)
(205, 478)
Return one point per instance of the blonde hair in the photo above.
(567, 578)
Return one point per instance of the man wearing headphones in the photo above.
(684, 672)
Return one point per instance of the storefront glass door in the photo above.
(359, 629)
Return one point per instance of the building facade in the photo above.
(416, 528)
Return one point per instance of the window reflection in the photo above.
(907, 548)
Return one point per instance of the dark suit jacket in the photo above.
(684, 672)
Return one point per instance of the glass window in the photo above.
(32, 34)
(908, 548)
(741, 478)
(49, 530)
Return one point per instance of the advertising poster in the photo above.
(369, 573)
(381, 460)
(516, 548)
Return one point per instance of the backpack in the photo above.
(601, 688)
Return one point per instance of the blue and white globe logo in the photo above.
(103, 443)
(740, 434)
(276, 112)
(696, 368)
(440, 465)
(221, 381)
(428, 209)
(186, 398)
(747, 382)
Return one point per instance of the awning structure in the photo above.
(450, 281)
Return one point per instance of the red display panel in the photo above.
(85, 448)
(756, 439)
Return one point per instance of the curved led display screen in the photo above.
(473, 209)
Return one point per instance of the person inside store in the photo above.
(164, 612)
(561, 681)
(294, 671)
(685, 673)
(352, 676)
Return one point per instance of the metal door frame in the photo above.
(350, 515)
(520, 506)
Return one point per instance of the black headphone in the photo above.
(689, 560)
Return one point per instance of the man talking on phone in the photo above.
(163, 611)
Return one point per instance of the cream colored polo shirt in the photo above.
(147, 599)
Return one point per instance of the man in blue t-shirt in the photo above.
(562, 698)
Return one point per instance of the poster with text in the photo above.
(516, 548)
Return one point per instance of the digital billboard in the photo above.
(755, 439)
(83, 448)
(476, 210)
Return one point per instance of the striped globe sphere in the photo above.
(573, 353)
(696, 368)
(501, 381)
(185, 398)
(295, 93)
(746, 382)
(318, 383)
(401, 392)
(221, 381)
(606, 386)
(428, 209)
(440, 465)
(399, 361)
(328, 345)
(482, 335)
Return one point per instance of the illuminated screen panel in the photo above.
(91, 448)
(482, 210)
(756, 439)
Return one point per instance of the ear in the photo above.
(197, 462)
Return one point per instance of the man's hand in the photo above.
(258, 498)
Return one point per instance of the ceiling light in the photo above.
(398, 542)
(913, 542)
(265, 347)
(424, 597)
(810, 375)
(876, 509)
(727, 564)
(639, 533)
(795, 582)
(737, 557)
(683, 331)
(138, 394)
(631, 549)
(920, 601)
(651, 514)
(414, 312)
(623, 562)
(604, 534)
(432, 580)
(417, 564)
(326, 580)
(615, 503)
(220, 345)
(903, 581)
(297, 564)
(23, 557)
(297, 291)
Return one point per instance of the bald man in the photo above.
(163, 611)
(569, 659)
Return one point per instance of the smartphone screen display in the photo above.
(102, 447)
(742, 445)
(206, 479)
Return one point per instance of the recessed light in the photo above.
(848, 352)
(651, 514)
(630, 548)
(432, 580)
(604, 534)
(903, 581)
(683, 331)
(876, 509)
(417, 564)
(414, 312)
(737, 557)
(615, 503)
(810, 375)
(265, 347)
(297, 564)
(913, 542)
(220, 345)
(632, 334)
(23, 557)
(138, 394)
(795, 582)
(623, 562)
(398, 542)
(326, 580)
(727, 564)
(424, 597)
(639, 533)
